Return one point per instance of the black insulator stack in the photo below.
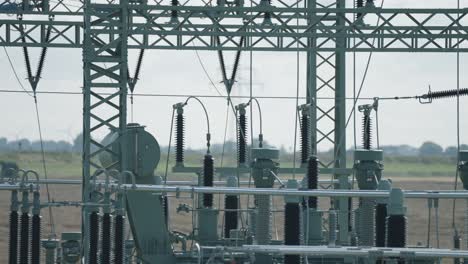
(445, 94)
(396, 232)
(180, 138)
(350, 214)
(292, 230)
(119, 240)
(380, 224)
(36, 239)
(106, 239)
(457, 245)
(138, 66)
(93, 237)
(27, 60)
(367, 132)
(312, 180)
(24, 243)
(43, 55)
(13, 237)
(242, 139)
(305, 143)
(359, 4)
(208, 176)
(231, 204)
(174, 12)
(165, 204)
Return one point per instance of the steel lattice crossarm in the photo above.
(287, 29)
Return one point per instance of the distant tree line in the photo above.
(427, 149)
(25, 145)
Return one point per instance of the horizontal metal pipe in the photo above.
(449, 194)
(12, 187)
(352, 251)
(218, 183)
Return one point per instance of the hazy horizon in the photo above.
(179, 72)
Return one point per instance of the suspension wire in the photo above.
(454, 202)
(169, 147)
(225, 135)
(296, 120)
(44, 167)
(204, 109)
(354, 88)
(15, 73)
(206, 73)
(222, 160)
(251, 125)
(216, 96)
(260, 118)
(353, 176)
(377, 130)
(437, 224)
(429, 218)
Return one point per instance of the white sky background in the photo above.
(179, 72)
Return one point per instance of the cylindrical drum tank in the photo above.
(140, 152)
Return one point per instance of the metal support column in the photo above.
(312, 82)
(340, 126)
(105, 69)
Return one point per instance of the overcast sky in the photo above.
(179, 72)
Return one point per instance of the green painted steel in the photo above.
(326, 33)
(148, 28)
(104, 67)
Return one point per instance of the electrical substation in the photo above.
(365, 220)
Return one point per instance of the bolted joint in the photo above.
(241, 108)
(179, 107)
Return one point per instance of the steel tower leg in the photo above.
(340, 129)
(104, 69)
(319, 65)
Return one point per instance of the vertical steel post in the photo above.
(311, 67)
(340, 124)
(104, 67)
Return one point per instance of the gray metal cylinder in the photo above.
(366, 222)
(252, 221)
(313, 227)
(332, 228)
(50, 246)
(263, 170)
(263, 230)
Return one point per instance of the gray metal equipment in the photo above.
(324, 31)
(264, 170)
(70, 248)
(368, 170)
(146, 211)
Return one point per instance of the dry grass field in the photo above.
(68, 219)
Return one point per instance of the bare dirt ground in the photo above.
(68, 219)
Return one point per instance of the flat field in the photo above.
(68, 219)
